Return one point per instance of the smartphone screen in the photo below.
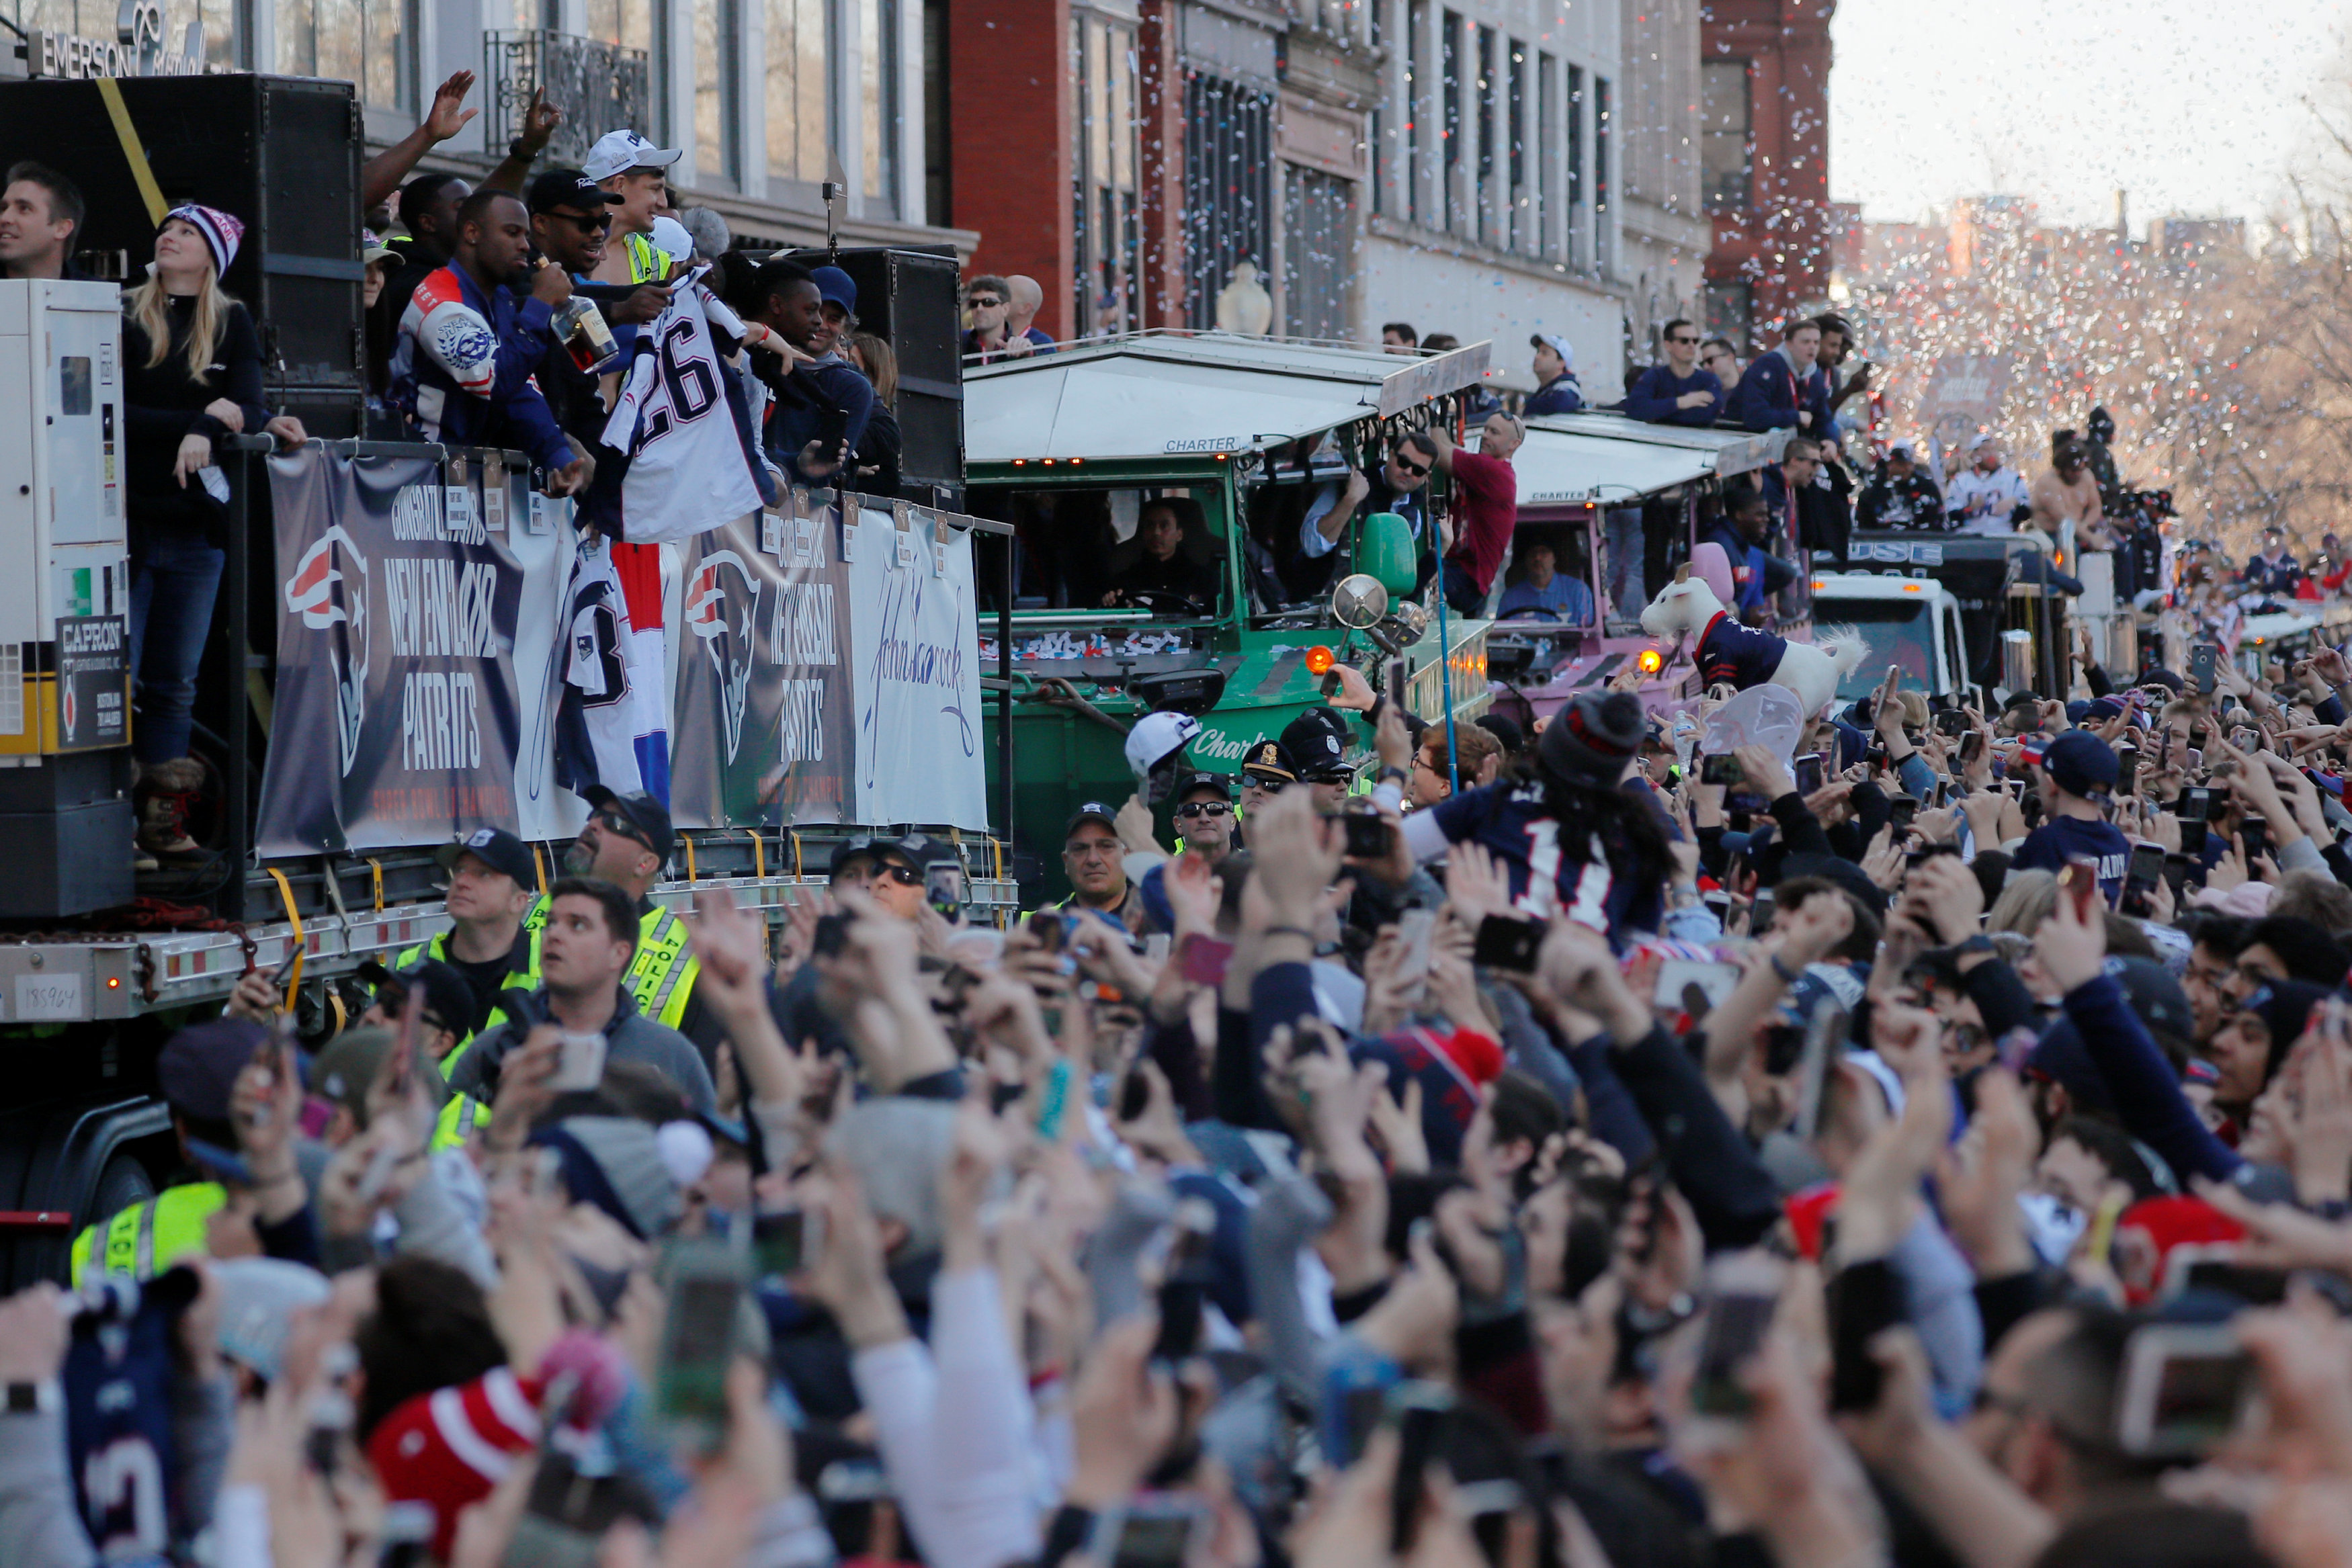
(1971, 747)
(2147, 865)
(704, 1291)
(1735, 1325)
(1807, 774)
(1719, 768)
(1368, 835)
(2127, 770)
(2255, 835)
(1414, 929)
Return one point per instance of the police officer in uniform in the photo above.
(445, 1026)
(627, 842)
(1096, 862)
(196, 1072)
(1266, 771)
(493, 880)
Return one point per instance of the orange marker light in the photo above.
(1651, 662)
(1319, 660)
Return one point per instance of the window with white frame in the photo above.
(718, 93)
(370, 44)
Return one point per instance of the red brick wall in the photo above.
(1009, 110)
(1160, 175)
(1783, 246)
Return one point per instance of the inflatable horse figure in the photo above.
(1729, 653)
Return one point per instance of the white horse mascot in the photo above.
(1729, 652)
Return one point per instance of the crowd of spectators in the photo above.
(1929, 1147)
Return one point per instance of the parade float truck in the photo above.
(1237, 433)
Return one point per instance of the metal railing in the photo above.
(599, 88)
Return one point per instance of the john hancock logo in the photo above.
(722, 606)
(329, 590)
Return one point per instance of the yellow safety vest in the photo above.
(148, 1238)
(647, 261)
(661, 975)
(526, 980)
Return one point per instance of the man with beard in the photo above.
(627, 842)
(470, 336)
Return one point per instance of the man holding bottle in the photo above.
(571, 223)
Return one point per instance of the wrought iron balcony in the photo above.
(599, 88)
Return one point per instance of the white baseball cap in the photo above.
(618, 151)
(1558, 344)
(669, 236)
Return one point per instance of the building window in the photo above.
(1448, 209)
(1107, 232)
(938, 184)
(799, 55)
(1318, 231)
(1726, 142)
(370, 44)
(638, 24)
(1482, 198)
(1603, 251)
(1573, 237)
(1420, 83)
(1730, 313)
(878, 54)
(1544, 224)
(718, 94)
(1228, 189)
(1520, 230)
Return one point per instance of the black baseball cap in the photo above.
(647, 818)
(1316, 744)
(449, 999)
(569, 188)
(1092, 812)
(1220, 784)
(919, 849)
(848, 851)
(496, 849)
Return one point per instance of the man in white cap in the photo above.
(637, 171)
(1557, 390)
(1982, 496)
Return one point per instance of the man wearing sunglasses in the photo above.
(1679, 391)
(1206, 830)
(571, 223)
(1396, 487)
(627, 842)
(1266, 771)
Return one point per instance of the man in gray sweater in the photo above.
(590, 935)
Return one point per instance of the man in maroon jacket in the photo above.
(1485, 509)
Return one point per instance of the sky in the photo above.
(2193, 107)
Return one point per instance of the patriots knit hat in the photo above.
(1591, 740)
(222, 231)
(615, 1163)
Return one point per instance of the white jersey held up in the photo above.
(681, 458)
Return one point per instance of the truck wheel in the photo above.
(123, 1183)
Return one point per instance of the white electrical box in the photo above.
(65, 571)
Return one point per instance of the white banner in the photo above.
(915, 673)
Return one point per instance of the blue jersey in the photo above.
(118, 1394)
(1557, 870)
(1739, 655)
(2051, 845)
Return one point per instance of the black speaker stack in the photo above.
(280, 153)
(912, 300)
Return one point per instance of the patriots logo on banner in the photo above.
(330, 589)
(729, 643)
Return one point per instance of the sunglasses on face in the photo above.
(614, 822)
(599, 223)
(1682, 340)
(1263, 786)
(904, 875)
(1205, 809)
(986, 302)
(1416, 469)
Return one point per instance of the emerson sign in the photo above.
(137, 48)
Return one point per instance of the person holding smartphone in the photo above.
(2073, 775)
